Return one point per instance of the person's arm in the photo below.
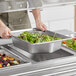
(37, 16)
(4, 30)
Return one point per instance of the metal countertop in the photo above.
(64, 66)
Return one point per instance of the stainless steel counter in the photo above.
(53, 67)
(59, 63)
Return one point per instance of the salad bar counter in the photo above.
(36, 53)
(15, 61)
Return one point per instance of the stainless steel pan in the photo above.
(50, 46)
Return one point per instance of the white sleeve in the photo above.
(35, 3)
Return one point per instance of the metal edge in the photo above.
(70, 50)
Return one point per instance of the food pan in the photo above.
(50, 46)
(2, 51)
(71, 49)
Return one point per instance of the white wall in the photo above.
(57, 18)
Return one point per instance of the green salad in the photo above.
(36, 37)
(70, 43)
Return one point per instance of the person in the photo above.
(19, 20)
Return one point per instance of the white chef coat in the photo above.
(19, 20)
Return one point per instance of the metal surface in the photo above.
(50, 46)
(44, 62)
(64, 70)
(12, 54)
(49, 56)
(61, 63)
(70, 50)
(52, 67)
(39, 57)
(11, 50)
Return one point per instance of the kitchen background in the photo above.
(57, 18)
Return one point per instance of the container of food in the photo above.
(8, 59)
(49, 46)
(70, 43)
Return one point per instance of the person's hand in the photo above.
(4, 31)
(41, 26)
(37, 16)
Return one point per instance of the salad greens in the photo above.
(36, 37)
(70, 43)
